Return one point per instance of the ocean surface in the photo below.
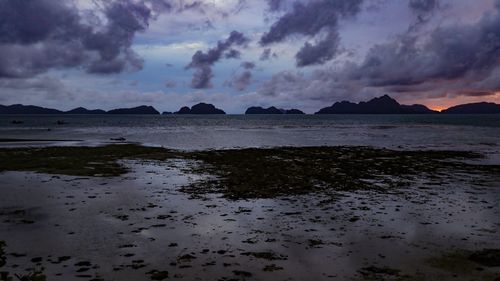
(197, 132)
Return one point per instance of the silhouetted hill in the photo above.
(184, 110)
(417, 109)
(201, 108)
(271, 110)
(474, 108)
(143, 109)
(81, 110)
(166, 113)
(27, 109)
(260, 110)
(380, 105)
(294, 111)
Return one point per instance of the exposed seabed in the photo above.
(148, 224)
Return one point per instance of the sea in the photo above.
(200, 132)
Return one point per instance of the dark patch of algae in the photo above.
(259, 172)
(466, 262)
(34, 275)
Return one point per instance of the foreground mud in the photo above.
(345, 213)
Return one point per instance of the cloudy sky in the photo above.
(303, 54)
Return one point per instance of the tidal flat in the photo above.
(130, 212)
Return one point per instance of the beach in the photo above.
(338, 207)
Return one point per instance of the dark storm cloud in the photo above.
(38, 35)
(248, 65)
(311, 19)
(26, 22)
(423, 11)
(476, 93)
(113, 44)
(320, 53)
(456, 52)
(233, 54)
(453, 60)
(240, 82)
(275, 5)
(266, 54)
(423, 7)
(203, 62)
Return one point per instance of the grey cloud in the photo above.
(203, 62)
(48, 87)
(170, 84)
(422, 7)
(476, 93)
(202, 77)
(455, 60)
(275, 5)
(240, 82)
(423, 11)
(36, 36)
(320, 53)
(310, 19)
(60, 39)
(233, 54)
(459, 51)
(248, 65)
(265, 54)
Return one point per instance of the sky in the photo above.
(304, 54)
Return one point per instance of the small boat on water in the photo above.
(17, 122)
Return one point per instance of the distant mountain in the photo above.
(166, 113)
(184, 110)
(81, 110)
(271, 110)
(294, 111)
(143, 109)
(260, 110)
(201, 108)
(380, 105)
(474, 108)
(417, 109)
(27, 109)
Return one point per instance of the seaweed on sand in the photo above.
(34, 275)
(267, 173)
(258, 172)
(3, 259)
(486, 257)
(77, 161)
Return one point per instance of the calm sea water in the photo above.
(471, 132)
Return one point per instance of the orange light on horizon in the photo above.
(438, 107)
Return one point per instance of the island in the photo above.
(200, 108)
(381, 105)
(474, 108)
(143, 109)
(27, 109)
(82, 110)
(271, 110)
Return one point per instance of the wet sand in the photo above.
(143, 225)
